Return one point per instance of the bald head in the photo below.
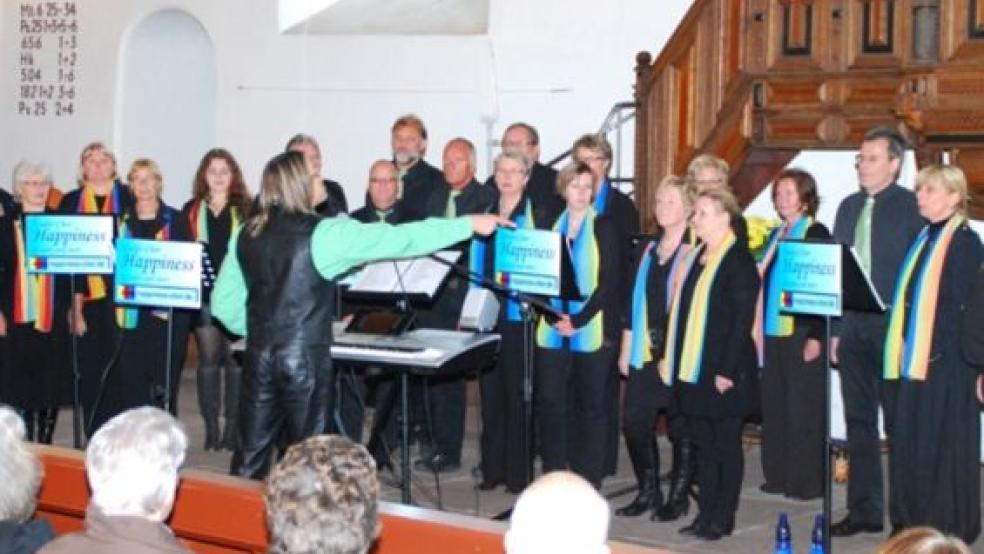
(383, 184)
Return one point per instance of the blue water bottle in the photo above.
(816, 538)
(784, 537)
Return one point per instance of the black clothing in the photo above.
(398, 213)
(96, 346)
(714, 418)
(502, 388)
(219, 229)
(35, 370)
(287, 371)
(792, 411)
(334, 203)
(895, 222)
(420, 182)
(934, 468)
(573, 397)
(140, 370)
(973, 326)
(7, 204)
(445, 396)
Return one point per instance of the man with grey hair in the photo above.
(132, 465)
(460, 195)
(21, 474)
(559, 512)
(327, 196)
(323, 496)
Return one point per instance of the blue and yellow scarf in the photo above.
(695, 328)
(587, 266)
(127, 318)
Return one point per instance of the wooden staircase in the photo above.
(757, 81)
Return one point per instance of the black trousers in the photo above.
(572, 407)
(645, 396)
(860, 354)
(792, 417)
(720, 468)
(503, 457)
(95, 349)
(285, 389)
(143, 357)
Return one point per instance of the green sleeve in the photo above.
(339, 244)
(228, 301)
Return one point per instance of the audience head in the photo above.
(512, 172)
(559, 512)
(96, 165)
(323, 497)
(219, 174)
(458, 162)
(307, 145)
(941, 191)
(522, 138)
(707, 171)
(20, 470)
(674, 202)
(575, 183)
(132, 463)
(409, 140)
(595, 151)
(879, 159)
(145, 180)
(714, 210)
(284, 186)
(32, 182)
(923, 540)
(383, 184)
(794, 192)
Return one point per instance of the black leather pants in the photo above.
(288, 389)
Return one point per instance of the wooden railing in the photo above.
(756, 81)
(216, 514)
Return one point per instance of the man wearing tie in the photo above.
(880, 221)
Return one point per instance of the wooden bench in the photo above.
(218, 514)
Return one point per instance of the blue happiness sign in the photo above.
(163, 274)
(528, 260)
(65, 244)
(809, 278)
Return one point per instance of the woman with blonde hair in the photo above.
(278, 289)
(934, 468)
(923, 540)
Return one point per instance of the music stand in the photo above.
(829, 280)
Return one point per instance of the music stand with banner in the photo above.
(823, 279)
(69, 245)
(159, 274)
(532, 262)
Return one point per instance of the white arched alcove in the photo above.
(166, 91)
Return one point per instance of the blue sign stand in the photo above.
(70, 245)
(164, 274)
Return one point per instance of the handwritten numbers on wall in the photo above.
(49, 57)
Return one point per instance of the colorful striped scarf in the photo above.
(88, 205)
(768, 321)
(34, 295)
(600, 203)
(587, 265)
(198, 220)
(126, 318)
(640, 351)
(908, 357)
(695, 330)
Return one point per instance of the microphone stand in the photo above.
(529, 306)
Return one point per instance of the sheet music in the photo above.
(867, 278)
(420, 275)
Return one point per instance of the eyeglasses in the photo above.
(506, 172)
(591, 159)
(704, 182)
(383, 180)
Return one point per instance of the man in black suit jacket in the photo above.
(419, 179)
(859, 338)
(595, 151)
(327, 196)
(460, 195)
(383, 204)
(523, 138)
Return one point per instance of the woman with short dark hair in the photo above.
(793, 439)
